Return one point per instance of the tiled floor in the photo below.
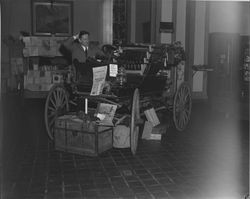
(209, 160)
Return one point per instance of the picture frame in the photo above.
(51, 17)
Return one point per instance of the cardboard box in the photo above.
(33, 87)
(45, 80)
(37, 80)
(151, 132)
(33, 74)
(152, 116)
(121, 136)
(46, 87)
(29, 80)
(80, 137)
(48, 74)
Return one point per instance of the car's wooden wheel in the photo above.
(182, 106)
(134, 122)
(57, 104)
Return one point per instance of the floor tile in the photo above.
(210, 156)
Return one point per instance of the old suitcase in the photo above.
(80, 137)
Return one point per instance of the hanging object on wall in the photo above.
(166, 27)
(50, 17)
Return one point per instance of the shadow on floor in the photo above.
(207, 160)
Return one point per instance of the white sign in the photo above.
(113, 70)
(99, 76)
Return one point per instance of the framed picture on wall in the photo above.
(52, 17)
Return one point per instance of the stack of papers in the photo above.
(106, 112)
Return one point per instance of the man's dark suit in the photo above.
(79, 58)
(78, 52)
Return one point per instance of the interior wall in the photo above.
(189, 41)
(16, 16)
(12, 23)
(221, 16)
(140, 12)
(229, 17)
(199, 77)
(107, 22)
(131, 15)
(88, 16)
(1, 112)
(143, 20)
(0, 74)
(180, 23)
(166, 16)
(245, 10)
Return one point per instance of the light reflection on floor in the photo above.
(209, 160)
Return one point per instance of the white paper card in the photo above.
(113, 70)
(100, 116)
(99, 76)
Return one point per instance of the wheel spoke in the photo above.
(58, 97)
(187, 107)
(184, 94)
(64, 102)
(185, 116)
(56, 103)
(52, 102)
(177, 106)
(52, 121)
(186, 100)
(55, 97)
(182, 107)
(185, 97)
(51, 108)
(181, 100)
(187, 112)
(178, 96)
(62, 95)
(52, 114)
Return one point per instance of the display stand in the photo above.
(41, 70)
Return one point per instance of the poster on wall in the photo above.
(52, 17)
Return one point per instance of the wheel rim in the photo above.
(135, 116)
(57, 104)
(182, 106)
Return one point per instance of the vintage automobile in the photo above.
(138, 77)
